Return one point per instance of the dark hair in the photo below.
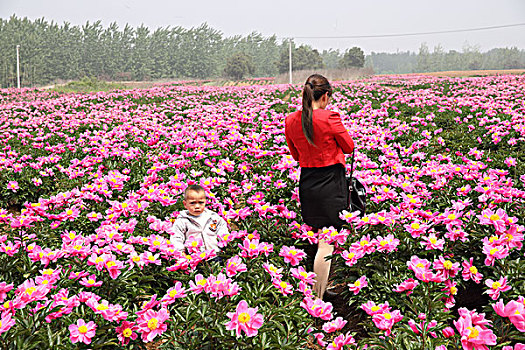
(316, 86)
(196, 188)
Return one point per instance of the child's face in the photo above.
(195, 202)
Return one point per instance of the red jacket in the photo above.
(330, 138)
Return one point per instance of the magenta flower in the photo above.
(371, 308)
(13, 186)
(301, 274)
(6, 321)
(470, 271)
(496, 287)
(234, 265)
(446, 268)
(358, 285)
(284, 287)
(244, 319)
(386, 320)
(340, 341)
(126, 331)
(335, 325)
(82, 331)
(90, 281)
(175, 292)
(473, 331)
(514, 310)
(407, 286)
(4, 289)
(318, 308)
(292, 255)
(151, 323)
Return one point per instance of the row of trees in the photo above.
(471, 58)
(51, 52)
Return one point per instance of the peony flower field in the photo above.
(91, 183)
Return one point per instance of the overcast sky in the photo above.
(306, 18)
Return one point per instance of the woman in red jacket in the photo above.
(318, 141)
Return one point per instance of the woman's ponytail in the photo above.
(307, 113)
(316, 86)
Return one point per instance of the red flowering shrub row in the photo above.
(90, 184)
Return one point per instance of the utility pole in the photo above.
(18, 66)
(290, 59)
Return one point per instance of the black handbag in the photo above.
(356, 192)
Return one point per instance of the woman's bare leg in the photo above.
(322, 267)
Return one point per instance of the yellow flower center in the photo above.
(496, 285)
(110, 264)
(252, 246)
(494, 251)
(415, 226)
(473, 269)
(453, 290)
(357, 283)
(383, 243)
(136, 258)
(375, 308)
(69, 212)
(102, 307)
(153, 323)
(82, 329)
(244, 317)
(173, 292)
(283, 284)
(387, 316)
(495, 217)
(293, 251)
(473, 332)
(451, 216)
(91, 281)
(124, 205)
(127, 332)
(433, 240)
(30, 290)
(364, 242)
(447, 264)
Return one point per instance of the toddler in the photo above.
(196, 222)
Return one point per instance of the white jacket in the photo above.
(187, 228)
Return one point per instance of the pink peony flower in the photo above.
(6, 321)
(335, 325)
(234, 265)
(340, 341)
(90, 281)
(244, 319)
(126, 331)
(386, 320)
(292, 255)
(82, 331)
(473, 331)
(407, 286)
(317, 308)
(496, 287)
(358, 285)
(151, 323)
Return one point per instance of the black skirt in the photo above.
(323, 193)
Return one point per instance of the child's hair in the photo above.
(316, 86)
(196, 188)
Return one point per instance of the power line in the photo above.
(409, 34)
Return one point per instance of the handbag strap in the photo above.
(352, 164)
